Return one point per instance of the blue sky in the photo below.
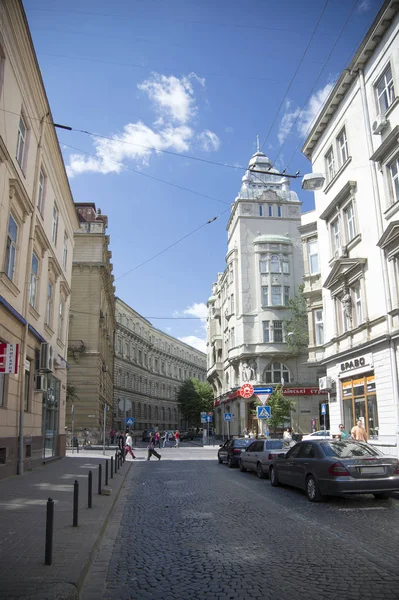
(200, 78)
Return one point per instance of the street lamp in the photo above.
(313, 181)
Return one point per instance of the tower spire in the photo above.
(257, 144)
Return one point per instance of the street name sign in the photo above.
(264, 412)
(228, 416)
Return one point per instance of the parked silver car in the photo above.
(336, 467)
(260, 454)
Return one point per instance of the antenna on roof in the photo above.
(257, 144)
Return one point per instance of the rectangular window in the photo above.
(27, 385)
(313, 257)
(275, 265)
(265, 295)
(319, 327)
(278, 332)
(360, 403)
(233, 337)
(261, 210)
(330, 165)
(342, 143)
(358, 305)
(34, 276)
(279, 211)
(2, 388)
(385, 90)
(119, 346)
(156, 364)
(335, 235)
(65, 251)
(266, 332)
(286, 266)
(276, 295)
(41, 191)
(394, 172)
(140, 357)
(49, 305)
(11, 248)
(263, 265)
(350, 222)
(232, 304)
(21, 141)
(231, 274)
(270, 210)
(54, 230)
(286, 295)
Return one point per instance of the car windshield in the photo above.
(274, 444)
(345, 449)
(242, 443)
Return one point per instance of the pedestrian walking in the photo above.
(177, 438)
(151, 449)
(129, 445)
(121, 444)
(358, 432)
(165, 439)
(343, 434)
(157, 439)
(112, 435)
(287, 435)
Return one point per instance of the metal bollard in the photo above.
(75, 503)
(112, 467)
(106, 472)
(116, 462)
(99, 479)
(90, 491)
(48, 555)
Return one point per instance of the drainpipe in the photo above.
(380, 229)
(25, 305)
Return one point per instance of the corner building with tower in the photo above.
(247, 337)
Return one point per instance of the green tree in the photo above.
(297, 335)
(71, 393)
(194, 397)
(281, 408)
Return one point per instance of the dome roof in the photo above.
(272, 239)
(261, 160)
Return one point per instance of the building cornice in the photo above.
(344, 193)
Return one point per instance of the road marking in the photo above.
(364, 508)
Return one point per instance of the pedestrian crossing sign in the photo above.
(264, 412)
(129, 421)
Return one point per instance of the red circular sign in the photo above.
(246, 391)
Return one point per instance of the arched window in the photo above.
(169, 415)
(275, 265)
(145, 411)
(149, 413)
(275, 372)
(139, 410)
(163, 414)
(156, 413)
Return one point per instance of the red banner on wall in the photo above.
(9, 358)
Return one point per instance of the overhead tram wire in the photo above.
(295, 74)
(314, 87)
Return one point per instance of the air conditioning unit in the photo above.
(379, 124)
(341, 252)
(325, 383)
(46, 358)
(40, 383)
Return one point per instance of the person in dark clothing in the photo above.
(151, 449)
(121, 444)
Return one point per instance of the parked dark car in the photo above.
(230, 451)
(145, 436)
(260, 454)
(336, 467)
(186, 435)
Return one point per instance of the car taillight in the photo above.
(338, 470)
(236, 451)
(272, 456)
(396, 472)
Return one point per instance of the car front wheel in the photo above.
(259, 471)
(273, 477)
(312, 490)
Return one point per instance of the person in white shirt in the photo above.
(129, 445)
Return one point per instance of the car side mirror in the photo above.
(220, 445)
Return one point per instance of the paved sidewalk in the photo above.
(23, 501)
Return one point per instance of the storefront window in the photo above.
(51, 400)
(360, 402)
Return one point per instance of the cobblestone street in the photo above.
(186, 527)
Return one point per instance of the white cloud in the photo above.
(174, 103)
(302, 120)
(195, 342)
(364, 6)
(209, 141)
(198, 309)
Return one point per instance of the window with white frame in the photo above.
(266, 332)
(119, 346)
(11, 248)
(65, 251)
(286, 266)
(231, 275)
(41, 191)
(61, 320)
(313, 256)
(385, 90)
(330, 165)
(342, 144)
(275, 373)
(279, 211)
(350, 222)
(34, 278)
(278, 334)
(276, 295)
(393, 169)
(357, 298)
(232, 337)
(21, 141)
(263, 264)
(49, 304)
(54, 228)
(319, 327)
(335, 235)
(261, 210)
(265, 295)
(270, 210)
(232, 304)
(275, 264)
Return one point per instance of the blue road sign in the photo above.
(263, 390)
(228, 417)
(323, 409)
(208, 419)
(129, 420)
(264, 412)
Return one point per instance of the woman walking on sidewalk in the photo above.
(129, 445)
(151, 449)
